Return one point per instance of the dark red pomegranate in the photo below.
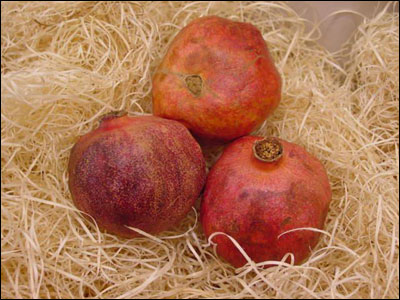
(144, 172)
(259, 189)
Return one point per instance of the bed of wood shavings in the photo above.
(65, 64)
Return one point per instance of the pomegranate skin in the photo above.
(255, 202)
(144, 172)
(239, 85)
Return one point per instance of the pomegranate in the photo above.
(259, 189)
(218, 79)
(144, 172)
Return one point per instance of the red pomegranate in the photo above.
(259, 189)
(218, 79)
(144, 172)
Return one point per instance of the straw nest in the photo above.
(65, 64)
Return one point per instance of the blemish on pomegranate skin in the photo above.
(286, 221)
(243, 195)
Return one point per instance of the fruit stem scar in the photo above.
(194, 83)
(268, 150)
(112, 115)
